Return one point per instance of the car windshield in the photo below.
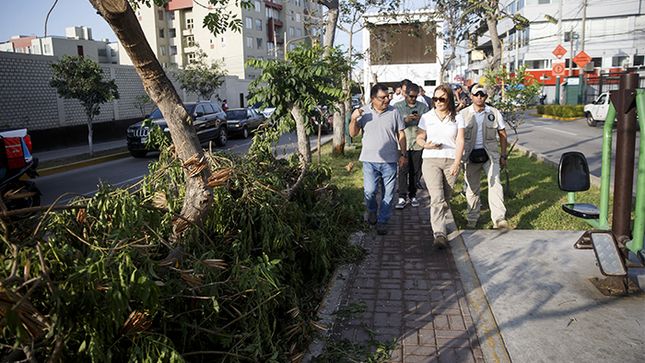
(236, 114)
(156, 114)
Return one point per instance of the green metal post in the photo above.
(636, 244)
(580, 86)
(605, 176)
(348, 118)
(557, 90)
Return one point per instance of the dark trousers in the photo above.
(410, 175)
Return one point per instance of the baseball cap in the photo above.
(478, 88)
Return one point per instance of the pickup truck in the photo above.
(597, 110)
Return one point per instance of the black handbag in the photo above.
(478, 156)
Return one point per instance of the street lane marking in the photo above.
(564, 132)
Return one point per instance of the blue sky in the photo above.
(27, 17)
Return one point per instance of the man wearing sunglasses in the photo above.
(383, 139)
(484, 124)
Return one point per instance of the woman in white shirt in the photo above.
(441, 134)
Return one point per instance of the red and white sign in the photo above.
(558, 69)
(559, 51)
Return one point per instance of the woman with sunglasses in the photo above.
(441, 135)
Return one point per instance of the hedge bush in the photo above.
(561, 110)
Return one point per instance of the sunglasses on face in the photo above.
(412, 96)
(439, 99)
(480, 94)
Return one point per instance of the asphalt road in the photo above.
(552, 138)
(85, 181)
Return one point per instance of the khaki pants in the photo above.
(472, 174)
(436, 173)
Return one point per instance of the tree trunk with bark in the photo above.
(491, 21)
(304, 146)
(123, 21)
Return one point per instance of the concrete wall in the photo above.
(27, 100)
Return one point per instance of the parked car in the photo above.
(597, 110)
(241, 121)
(208, 118)
(267, 111)
(327, 124)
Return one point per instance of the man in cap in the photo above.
(483, 125)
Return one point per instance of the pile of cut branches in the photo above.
(93, 283)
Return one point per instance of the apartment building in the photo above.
(77, 41)
(177, 32)
(611, 33)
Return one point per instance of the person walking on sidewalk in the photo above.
(483, 125)
(441, 135)
(383, 139)
(409, 175)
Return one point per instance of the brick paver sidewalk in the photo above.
(413, 294)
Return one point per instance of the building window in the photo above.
(189, 41)
(597, 62)
(249, 22)
(298, 17)
(639, 60)
(511, 8)
(173, 50)
(259, 41)
(299, 33)
(161, 33)
(249, 42)
(520, 4)
(536, 64)
(46, 48)
(162, 50)
(258, 5)
(190, 57)
(298, 2)
(291, 32)
(618, 60)
(270, 46)
(172, 32)
(170, 15)
(189, 23)
(160, 14)
(258, 24)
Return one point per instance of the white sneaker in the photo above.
(401, 204)
(501, 224)
(414, 202)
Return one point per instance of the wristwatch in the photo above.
(404, 155)
(504, 156)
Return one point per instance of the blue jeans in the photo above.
(385, 175)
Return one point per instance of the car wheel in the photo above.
(245, 132)
(31, 201)
(222, 137)
(138, 153)
(590, 121)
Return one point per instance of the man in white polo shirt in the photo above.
(483, 125)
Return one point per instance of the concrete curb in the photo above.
(556, 117)
(490, 339)
(81, 164)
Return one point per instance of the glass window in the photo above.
(172, 32)
(189, 41)
(299, 33)
(190, 57)
(249, 42)
(160, 14)
(617, 61)
(291, 31)
(258, 24)
(520, 4)
(161, 33)
(597, 62)
(249, 22)
(189, 23)
(162, 50)
(638, 60)
(208, 109)
(199, 110)
(173, 50)
(259, 41)
(258, 5)
(170, 15)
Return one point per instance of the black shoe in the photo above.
(440, 242)
(381, 228)
(372, 218)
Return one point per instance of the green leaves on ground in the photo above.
(97, 282)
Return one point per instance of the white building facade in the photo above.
(392, 55)
(177, 32)
(611, 33)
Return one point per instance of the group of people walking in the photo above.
(433, 140)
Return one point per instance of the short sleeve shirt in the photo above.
(380, 134)
(411, 127)
(479, 117)
(441, 131)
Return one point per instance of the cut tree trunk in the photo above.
(123, 21)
